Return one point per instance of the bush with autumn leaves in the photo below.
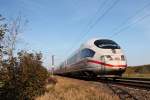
(24, 77)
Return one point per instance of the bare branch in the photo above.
(14, 29)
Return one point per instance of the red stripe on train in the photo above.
(98, 62)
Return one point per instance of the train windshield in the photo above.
(106, 44)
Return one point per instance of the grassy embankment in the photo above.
(73, 89)
(138, 71)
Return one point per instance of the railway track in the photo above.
(130, 88)
(126, 88)
(137, 83)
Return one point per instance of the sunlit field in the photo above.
(72, 89)
(138, 71)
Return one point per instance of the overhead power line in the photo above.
(100, 8)
(124, 28)
(97, 20)
(129, 18)
(102, 16)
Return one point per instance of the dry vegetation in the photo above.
(22, 75)
(72, 89)
(138, 71)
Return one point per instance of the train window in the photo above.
(73, 59)
(122, 57)
(87, 53)
(106, 44)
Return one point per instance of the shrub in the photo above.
(25, 77)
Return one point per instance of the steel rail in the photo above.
(139, 79)
(139, 83)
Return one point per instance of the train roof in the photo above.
(91, 42)
(87, 44)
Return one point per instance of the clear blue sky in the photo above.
(57, 26)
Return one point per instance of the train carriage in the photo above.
(101, 57)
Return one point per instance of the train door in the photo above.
(102, 59)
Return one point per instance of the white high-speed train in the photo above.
(101, 57)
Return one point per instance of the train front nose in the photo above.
(115, 64)
(115, 69)
(118, 68)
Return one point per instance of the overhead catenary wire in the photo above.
(129, 18)
(124, 28)
(100, 8)
(102, 16)
(99, 19)
(96, 22)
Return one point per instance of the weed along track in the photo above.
(77, 89)
(74, 89)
